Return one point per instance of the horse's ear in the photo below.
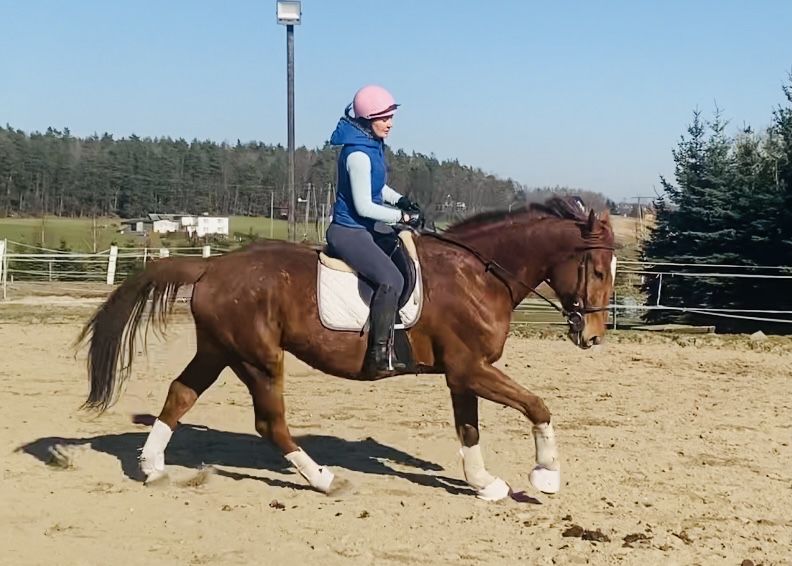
(604, 217)
(592, 219)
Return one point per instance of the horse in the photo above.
(253, 304)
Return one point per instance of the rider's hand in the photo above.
(407, 205)
(413, 219)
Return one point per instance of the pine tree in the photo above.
(692, 223)
(781, 135)
(730, 205)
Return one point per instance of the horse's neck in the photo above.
(526, 250)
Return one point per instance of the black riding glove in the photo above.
(407, 205)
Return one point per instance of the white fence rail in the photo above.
(635, 273)
(22, 262)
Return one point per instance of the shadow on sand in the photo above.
(195, 446)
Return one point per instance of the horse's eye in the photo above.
(599, 274)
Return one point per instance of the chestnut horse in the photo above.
(251, 305)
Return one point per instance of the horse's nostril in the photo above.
(595, 340)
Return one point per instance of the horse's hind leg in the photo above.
(184, 391)
(487, 486)
(492, 384)
(265, 384)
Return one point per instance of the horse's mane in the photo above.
(568, 208)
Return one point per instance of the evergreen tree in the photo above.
(781, 156)
(691, 223)
(727, 207)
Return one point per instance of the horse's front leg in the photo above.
(487, 486)
(492, 384)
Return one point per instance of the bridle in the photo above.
(575, 316)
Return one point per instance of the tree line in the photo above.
(59, 174)
(731, 204)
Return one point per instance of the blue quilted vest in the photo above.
(353, 138)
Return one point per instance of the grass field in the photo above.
(78, 234)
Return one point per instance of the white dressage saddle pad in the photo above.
(344, 299)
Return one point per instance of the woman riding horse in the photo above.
(362, 190)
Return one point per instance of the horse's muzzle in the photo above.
(576, 321)
(584, 343)
(577, 325)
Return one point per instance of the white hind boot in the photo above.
(152, 457)
(319, 477)
(546, 476)
(487, 486)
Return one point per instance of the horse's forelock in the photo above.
(570, 208)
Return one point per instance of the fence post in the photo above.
(659, 288)
(207, 251)
(164, 252)
(3, 266)
(111, 265)
(145, 256)
(614, 308)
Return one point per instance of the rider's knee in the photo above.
(396, 283)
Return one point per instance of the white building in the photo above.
(165, 226)
(205, 225)
(159, 223)
(198, 226)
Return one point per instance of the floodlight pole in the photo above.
(290, 135)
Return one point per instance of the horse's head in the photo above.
(560, 241)
(583, 279)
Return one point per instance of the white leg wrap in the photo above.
(546, 476)
(319, 477)
(487, 486)
(152, 457)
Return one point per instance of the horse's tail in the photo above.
(112, 330)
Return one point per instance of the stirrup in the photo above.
(374, 367)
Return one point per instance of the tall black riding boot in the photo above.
(380, 360)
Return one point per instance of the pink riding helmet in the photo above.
(373, 101)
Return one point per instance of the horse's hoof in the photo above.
(495, 491)
(324, 481)
(546, 481)
(339, 487)
(156, 478)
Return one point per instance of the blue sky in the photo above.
(585, 94)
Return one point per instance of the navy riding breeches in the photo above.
(356, 246)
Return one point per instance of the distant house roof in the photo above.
(155, 216)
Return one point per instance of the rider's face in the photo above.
(381, 126)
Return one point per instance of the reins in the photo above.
(573, 316)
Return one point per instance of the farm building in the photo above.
(205, 225)
(199, 226)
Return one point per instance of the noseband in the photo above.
(575, 316)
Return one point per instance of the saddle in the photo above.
(344, 296)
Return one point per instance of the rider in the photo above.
(362, 190)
